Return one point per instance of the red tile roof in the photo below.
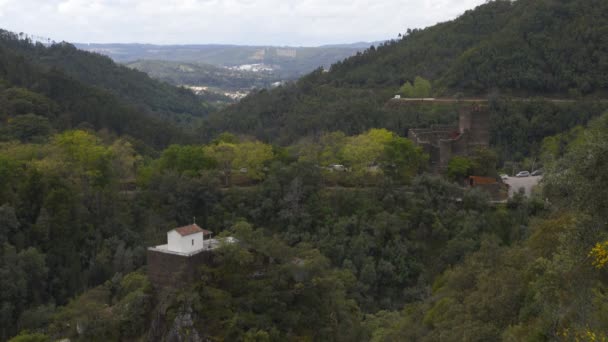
(476, 180)
(192, 229)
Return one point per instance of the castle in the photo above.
(442, 143)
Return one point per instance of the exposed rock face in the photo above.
(183, 329)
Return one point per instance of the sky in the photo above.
(244, 22)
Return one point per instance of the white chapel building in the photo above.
(188, 239)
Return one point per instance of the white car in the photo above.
(523, 174)
(504, 177)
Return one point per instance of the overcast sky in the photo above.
(251, 22)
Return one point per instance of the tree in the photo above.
(402, 159)
(9, 224)
(224, 155)
(332, 145)
(226, 137)
(407, 90)
(124, 159)
(599, 255)
(484, 162)
(26, 336)
(189, 158)
(420, 89)
(366, 149)
(325, 151)
(85, 154)
(29, 128)
(459, 168)
(575, 178)
(22, 279)
(253, 155)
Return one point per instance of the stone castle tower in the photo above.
(442, 143)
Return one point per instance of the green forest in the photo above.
(344, 231)
(379, 250)
(524, 48)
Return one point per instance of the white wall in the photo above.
(183, 244)
(173, 241)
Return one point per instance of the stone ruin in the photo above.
(442, 143)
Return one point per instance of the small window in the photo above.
(192, 242)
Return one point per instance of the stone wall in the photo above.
(443, 143)
(174, 270)
(480, 126)
(464, 120)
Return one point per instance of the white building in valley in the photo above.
(177, 262)
(188, 239)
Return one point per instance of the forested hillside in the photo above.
(99, 71)
(46, 89)
(390, 254)
(550, 285)
(522, 48)
(341, 231)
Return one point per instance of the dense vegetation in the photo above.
(551, 285)
(345, 260)
(70, 223)
(95, 70)
(58, 88)
(526, 48)
(341, 233)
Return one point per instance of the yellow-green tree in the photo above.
(82, 152)
(224, 154)
(332, 145)
(402, 159)
(599, 255)
(366, 149)
(253, 156)
(326, 151)
(125, 159)
(420, 89)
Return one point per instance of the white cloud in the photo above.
(277, 22)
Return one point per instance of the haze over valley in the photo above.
(229, 70)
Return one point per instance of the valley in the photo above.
(227, 70)
(364, 192)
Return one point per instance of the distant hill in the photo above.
(357, 45)
(522, 48)
(72, 88)
(286, 62)
(100, 71)
(231, 84)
